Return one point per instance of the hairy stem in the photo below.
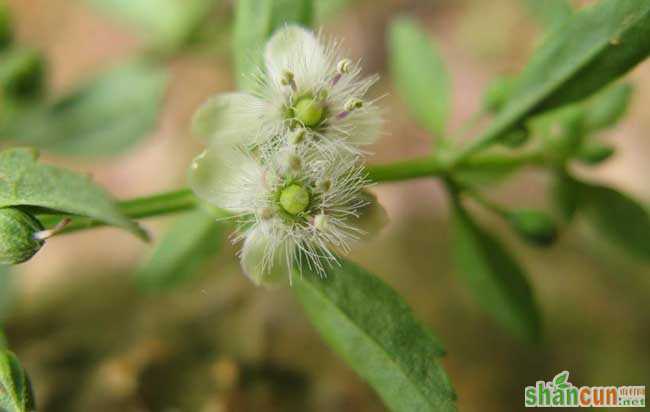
(425, 167)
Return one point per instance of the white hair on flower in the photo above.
(293, 205)
(305, 84)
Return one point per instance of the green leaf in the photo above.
(25, 182)
(608, 107)
(165, 23)
(372, 328)
(618, 217)
(549, 12)
(106, 116)
(193, 238)
(15, 387)
(420, 75)
(498, 282)
(255, 20)
(589, 50)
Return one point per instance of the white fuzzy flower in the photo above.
(294, 206)
(306, 87)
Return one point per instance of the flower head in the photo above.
(305, 87)
(294, 206)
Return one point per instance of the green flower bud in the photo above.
(294, 199)
(22, 74)
(6, 32)
(497, 93)
(516, 138)
(533, 226)
(309, 111)
(595, 154)
(17, 236)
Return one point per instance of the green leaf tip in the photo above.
(28, 183)
(371, 327)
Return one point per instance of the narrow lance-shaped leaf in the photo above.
(589, 50)
(255, 20)
(494, 277)
(25, 182)
(15, 387)
(191, 239)
(419, 74)
(165, 23)
(618, 217)
(372, 328)
(106, 116)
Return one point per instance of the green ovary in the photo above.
(294, 199)
(309, 111)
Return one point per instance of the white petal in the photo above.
(298, 51)
(263, 260)
(230, 119)
(226, 178)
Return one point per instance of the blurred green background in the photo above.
(92, 341)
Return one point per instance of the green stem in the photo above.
(183, 199)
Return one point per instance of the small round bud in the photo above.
(533, 226)
(6, 31)
(309, 111)
(22, 74)
(497, 93)
(353, 104)
(18, 241)
(344, 66)
(595, 154)
(321, 222)
(294, 199)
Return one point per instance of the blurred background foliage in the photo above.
(104, 323)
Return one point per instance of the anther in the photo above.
(297, 136)
(321, 222)
(288, 80)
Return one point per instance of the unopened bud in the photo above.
(18, 240)
(497, 93)
(595, 154)
(22, 74)
(533, 226)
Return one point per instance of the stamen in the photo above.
(344, 66)
(297, 136)
(46, 234)
(350, 106)
(289, 80)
